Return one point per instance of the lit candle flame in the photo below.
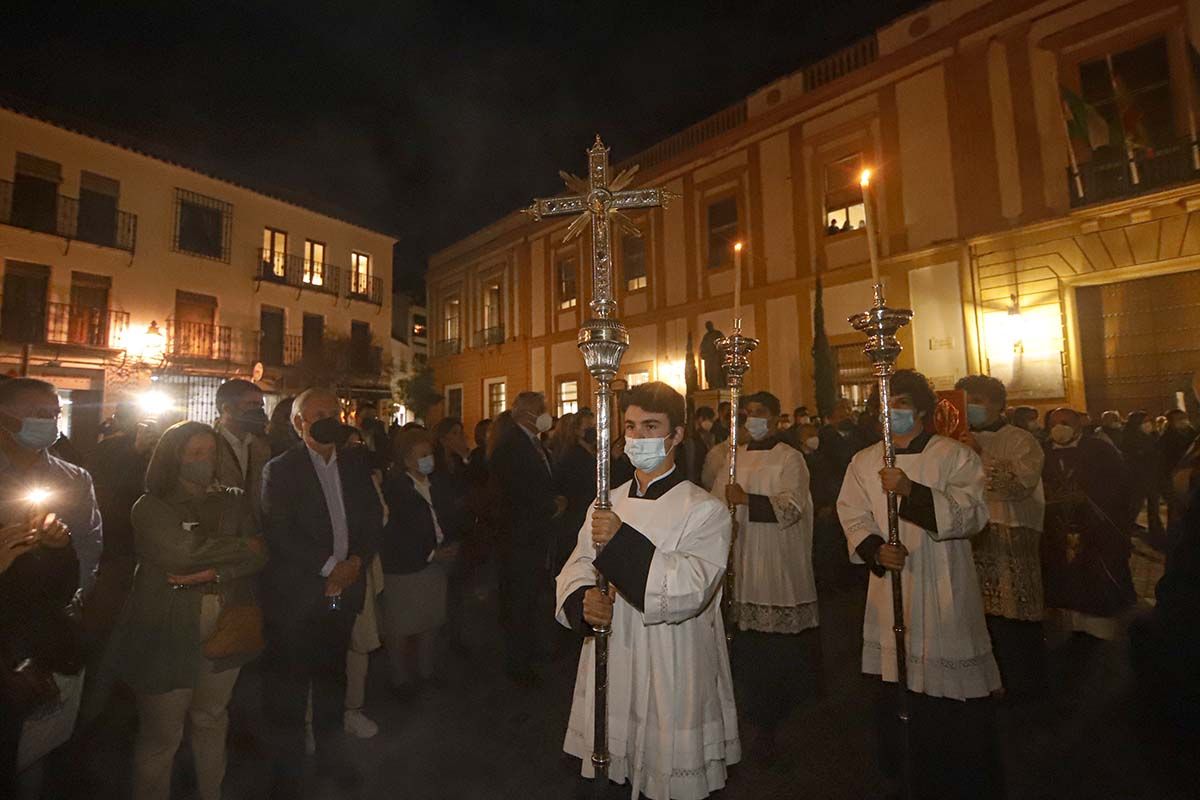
(737, 247)
(38, 496)
(865, 178)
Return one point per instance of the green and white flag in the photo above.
(1085, 122)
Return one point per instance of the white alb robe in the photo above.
(774, 587)
(949, 650)
(672, 721)
(1008, 553)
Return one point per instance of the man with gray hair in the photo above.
(322, 521)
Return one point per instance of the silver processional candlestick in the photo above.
(735, 351)
(880, 324)
(598, 202)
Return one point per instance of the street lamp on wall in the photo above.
(152, 348)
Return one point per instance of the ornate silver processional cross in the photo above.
(603, 340)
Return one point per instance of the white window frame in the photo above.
(488, 383)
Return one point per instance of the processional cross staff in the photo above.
(880, 324)
(599, 202)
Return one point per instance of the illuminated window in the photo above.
(493, 307)
(420, 326)
(637, 378)
(568, 397)
(568, 282)
(360, 273)
(314, 262)
(450, 317)
(844, 210)
(633, 261)
(495, 397)
(722, 217)
(274, 252)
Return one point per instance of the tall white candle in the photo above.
(737, 286)
(869, 213)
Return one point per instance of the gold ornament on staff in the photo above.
(598, 202)
(735, 351)
(880, 324)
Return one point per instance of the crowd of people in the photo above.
(174, 556)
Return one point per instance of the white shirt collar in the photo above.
(319, 460)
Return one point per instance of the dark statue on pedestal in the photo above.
(714, 373)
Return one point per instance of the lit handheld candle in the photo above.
(869, 213)
(737, 286)
(37, 498)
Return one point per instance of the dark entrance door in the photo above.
(23, 315)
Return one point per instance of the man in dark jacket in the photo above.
(322, 521)
(522, 471)
(242, 446)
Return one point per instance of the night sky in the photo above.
(426, 120)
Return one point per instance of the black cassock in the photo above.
(1086, 545)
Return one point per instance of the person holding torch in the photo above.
(43, 501)
(951, 673)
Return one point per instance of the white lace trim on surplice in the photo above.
(775, 619)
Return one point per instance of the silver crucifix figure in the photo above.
(598, 202)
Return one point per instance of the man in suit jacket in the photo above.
(242, 446)
(521, 469)
(322, 521)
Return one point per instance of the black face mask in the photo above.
(328, 431)
(589, 435)
(253, 421)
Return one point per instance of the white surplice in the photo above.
(774, 587)
(672, 722)
(1008, 553)
(949, 650)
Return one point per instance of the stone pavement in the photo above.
(481, 737)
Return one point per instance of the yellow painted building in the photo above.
(122, 272)
(1036, 192)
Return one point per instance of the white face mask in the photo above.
(544, 422)
(425, 465)
(1062, 434)
(758, 428)
(647, 454)
(813, 443)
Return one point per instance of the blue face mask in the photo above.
(37, 433)
(976, 415)
(904, 420)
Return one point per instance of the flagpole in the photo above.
(1112, 79)
(1071, 156)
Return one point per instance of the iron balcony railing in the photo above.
(86, 326)
(365, 287)
(64, 323)
(199, 340)
(70, 219)
(293, 270)
(280, 352)
(448, 347)
(1113, 178)
(489, 336)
